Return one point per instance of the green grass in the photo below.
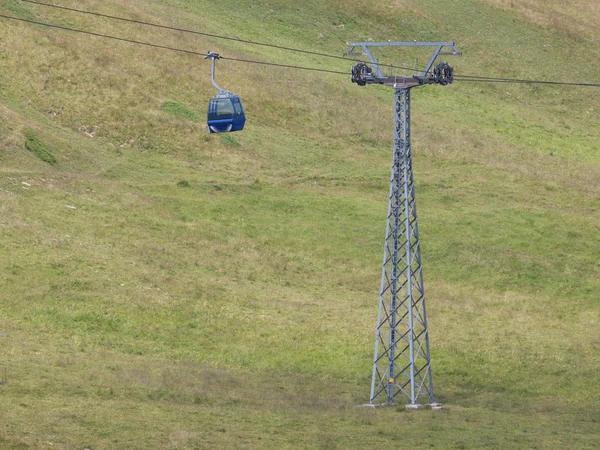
(16, 7)
(38, 148)
(180, 111)
(166, 288)
(230, 141)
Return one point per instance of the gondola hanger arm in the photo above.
(213, 57)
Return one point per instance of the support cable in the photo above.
(464, 78)
(175, 49)
(216, 36)
(518, 81)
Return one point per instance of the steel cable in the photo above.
(464, 78)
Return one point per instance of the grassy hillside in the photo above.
(165, 288)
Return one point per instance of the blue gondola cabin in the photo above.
(225, 114)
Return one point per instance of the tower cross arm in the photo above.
(365, 50)
(403, 44)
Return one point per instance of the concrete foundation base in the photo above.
(413, 406)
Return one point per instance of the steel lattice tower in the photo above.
(402, 361)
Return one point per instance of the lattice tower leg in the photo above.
(402, 361)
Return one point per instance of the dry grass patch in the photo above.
(579, 18)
